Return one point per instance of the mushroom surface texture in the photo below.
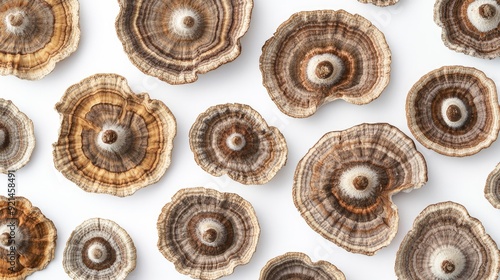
(343, 186)
(492, 187)
(17, 137)
(206, 233)
(27, 238)
(112, 140)
(234, 139)
(381, 3)
(99, 249)
(446, 243)
(175, 40)
(294, 265)
(454, 111)
(470, 26)
(316, 57)
(35, 35)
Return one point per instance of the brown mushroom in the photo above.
(381, 3)
(99, 249)
(470, 27)
(27, 238)
(206, 233)
(304, 68)
(234, 139)
(17, 137)
(112, 140)
(492, 187)
(446, 243)
(294, 265)
(35, 35)
(454, 111)
(344, 184)
(176, 40)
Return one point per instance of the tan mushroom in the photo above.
(178, 39)
(35, 35)
(234, 139)
(206, 233)
(112, 140)
(454, 111)
(304, 68)
(27, 238)
(470, 26)
(446, 243)
(344, 184)
(381, 3)
(295, 266)
(492, 187)
(99, 249)
(17, 137)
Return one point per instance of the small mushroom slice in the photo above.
(381, 3)
(112, 140)
(492, 187)
(17, 137)
(316, 57)
(99, 249)
(206, 233)
(175, 40)
(294, 265)
(35, 35)
(454, 111)
(344, 184)
(27, 238)
(446, 243)
(470, 26)
(234, 139)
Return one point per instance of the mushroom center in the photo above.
(360, 183)
(211, 232)
(189, 21)
(324, 69)
(16, 19)
(447, 267)
(97, 252)
(236, 142)
(453, 113)
(5, 239)
(487, 11)
(109, 136)
(185, 23)
(210, 235)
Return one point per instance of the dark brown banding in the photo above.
(492, 187)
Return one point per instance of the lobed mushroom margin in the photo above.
(381, 3)
(492, 187)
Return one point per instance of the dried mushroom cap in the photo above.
(99, 249)
(316, 57)
(454, 111)
(297, 266)
(112, 140)
(492, 187)
(17, 137)
(446, 243)
(27, 238)
(381, 3)
(35, 35)
(176, 40)
(470, 27)
(234, 139)
(206, 233)
(344, 184)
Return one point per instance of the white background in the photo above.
(416, 45)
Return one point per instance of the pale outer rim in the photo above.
(452, 151)
(176, 259)
(380, 3)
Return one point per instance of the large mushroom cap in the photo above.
(344, 184)
(319, 56)
(446, 243)
(177, 39)
(112, 140)
(234, 139)
(27, 238)
(454, 111)
(381, 3)
(99, 249)
(470, 26)
(206, 233)
(35, 35)
(17, 137)
(295, 266)
(492, 187)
